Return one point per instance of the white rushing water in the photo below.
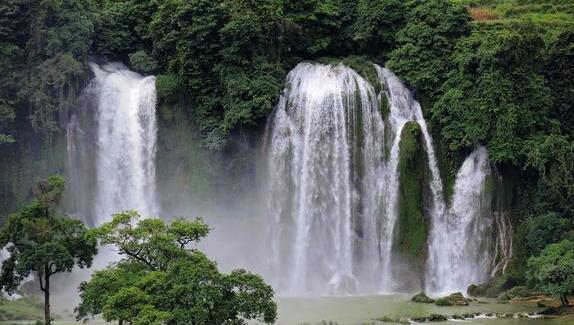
(459, 253)
(324, 154)
(403, 108)
(113, 138)
(333, 193)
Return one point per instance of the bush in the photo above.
(516, 292)
(142, 62)
(545, 229)
(553, 270)
(167, 86)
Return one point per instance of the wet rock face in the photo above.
(422, 298)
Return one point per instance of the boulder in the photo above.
(437, 318)
(455, 299)
(419, 319)
(443, 302)
(475, 290)
(387, 319)
(519, 292)
(422, 298)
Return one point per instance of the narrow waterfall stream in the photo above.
(403, 108)
(112, 145)
(460, 241)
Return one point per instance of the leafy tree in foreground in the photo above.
(40, 241)
(553, 270)
(163, 281)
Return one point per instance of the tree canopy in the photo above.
(553, 270)
(40, 242)
(163, 280)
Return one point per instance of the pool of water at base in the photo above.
(358, 310)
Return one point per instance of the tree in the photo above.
(377, 23)
(162, 280)
(553, 270)
(545, 229)
(41, 242)
(426, 41)
(559, 74)
(496, 93)
(552, 156)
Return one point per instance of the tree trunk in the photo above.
(46, 290)
(564, 300)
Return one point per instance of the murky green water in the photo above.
(359, 310)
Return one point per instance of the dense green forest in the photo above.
(494, 72)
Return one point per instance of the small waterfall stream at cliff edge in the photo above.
(332, 185)
(459, 241)
(403, 108)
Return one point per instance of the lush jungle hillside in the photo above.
(498, 73)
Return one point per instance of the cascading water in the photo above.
(333, 193)
(112, 145)
(324, 146)
(403, 108)
(459, 241)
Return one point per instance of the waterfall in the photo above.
(459, 241)
(403, 108)
(324, 155)
(332, 189)
(112, 145)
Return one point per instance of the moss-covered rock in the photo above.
(517, 292)
(437, 318)
(421, 319)
(492, 288)
(468, 315)
(384, 107)
(392, 319)
(477, 290)
(422, 298)
(455, 299)
(361, 64)
(412, 225)
(443, 302)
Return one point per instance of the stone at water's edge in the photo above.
(422, 298)
(455, 299)
(437, 318)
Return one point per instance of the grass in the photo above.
(553, 16)
(28, 308)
